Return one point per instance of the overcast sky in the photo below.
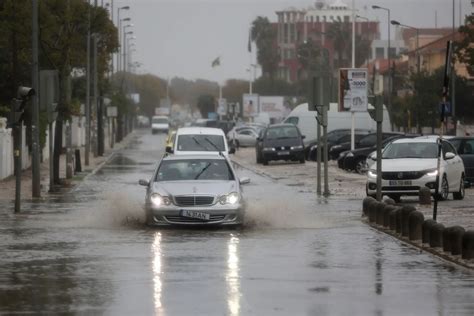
(182, 37)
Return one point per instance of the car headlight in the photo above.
(268, 149)
(335, 147)
(372, 173)
(349, 154)
(158, 200)
(296, 147)
(432, 172)
(231, 198)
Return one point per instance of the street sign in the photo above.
(222, 107)
(353, 89)
(112, 111)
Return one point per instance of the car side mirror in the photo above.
(143, 182)
(303, 136)
(449, 155)
(244, 180)
(169, 150)
(232, 150)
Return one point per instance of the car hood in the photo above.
(407, 164)
(193, 187)
(282, 142)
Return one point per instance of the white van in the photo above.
(201, 140)
(306, 121)
(160, 124)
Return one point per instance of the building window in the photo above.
(317, 18)
(346, 18)
(379, 52)
(393, 52)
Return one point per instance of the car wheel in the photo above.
(360, 166)
(237, 144)
(460, 194)
(443, 195)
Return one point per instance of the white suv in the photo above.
(411, 163)
(160, 124)
(200, 140)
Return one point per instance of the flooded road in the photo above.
(88, 252)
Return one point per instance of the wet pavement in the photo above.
(87, 252)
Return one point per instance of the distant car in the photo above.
(409, 164)
(194, 190)
(465, 149)
(244, 136)
(160, 124)
(200, 140)
(143, 121)
(204, 123)
(282, 142)
(335, 137)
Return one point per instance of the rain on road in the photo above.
(88, 252)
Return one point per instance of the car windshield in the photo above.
(410, 150)
(160, 120)
(201, 143)
(282, 132)
(194, 169)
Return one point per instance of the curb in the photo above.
(259, 172)
(453, 244)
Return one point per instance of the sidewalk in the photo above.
(7, 186)
(351, 187)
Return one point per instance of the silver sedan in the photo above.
(194, 190)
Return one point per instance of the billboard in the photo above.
(353, 89)
(274, 106)
(250, 102)
(222, 107)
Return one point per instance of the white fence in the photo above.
(6, 145)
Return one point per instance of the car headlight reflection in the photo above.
(296, 147)
(372, 173)
(268, 149)
(158, 200)
(231, 198)
(432, 173)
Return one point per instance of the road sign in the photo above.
(111, 111)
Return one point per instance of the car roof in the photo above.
(420, 139)
(199, 130)
(214, 156)
(282, 125)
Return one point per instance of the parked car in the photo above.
(246, 137)
(411, 163)
(200, 140)
(355, 160)
(160, 124)
(335, 137)
(233, 134)
(194, 190)
(259, 146)
(465, 149)
(366, 141)
(282, 142)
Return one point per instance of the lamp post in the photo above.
(376, 7)
(125, 48)
(119, 22)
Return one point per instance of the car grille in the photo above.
(180, 219)
(401, 188)
(405, 175)
(193, 200)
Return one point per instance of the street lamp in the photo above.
(119, 22)
(125, 48)
(376, 7)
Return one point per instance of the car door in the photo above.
(246, 137)
(467, 155)
(453, 167)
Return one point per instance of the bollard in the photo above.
(405, 212)
(457, 234)
(447, 239)
(77, 154)
(386, 214)
(372, 211)
(393, 218)
(468, 245)
(415, 222)
(389, 201)
(365, 205)
(426, 230)
(398, 220)
(379, 213)
(425, 196)
(436, 235)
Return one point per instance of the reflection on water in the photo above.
(232, 276)
(157, 284)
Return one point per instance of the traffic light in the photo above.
(17, 106)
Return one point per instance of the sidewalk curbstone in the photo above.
(398, 221)
(456, 237)
(415, 222)
(447, 239)
(468, 245)
(373, 211)
(406, 210)
(436, 236)
(365, 204)
(425, 196)
(386, 214)
(426, 228)
(393, 218)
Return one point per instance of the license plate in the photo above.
(283, 153)
(399, 182)
(195, 214)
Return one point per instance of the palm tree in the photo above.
(264, 35)
(340, 34)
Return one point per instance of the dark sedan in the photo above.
(465, 149)
(280, 142)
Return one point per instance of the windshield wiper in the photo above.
(202, 171)
(200, 145)
(213, 145)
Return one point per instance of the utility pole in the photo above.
(35, 155)
(88, 91)
(96, 94)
